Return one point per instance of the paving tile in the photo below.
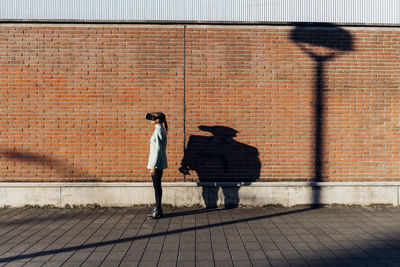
(151, 255)
(89, 264)
(204, 263)
(116, 256)
(361, 254)
(79, 256)
(242, 263)
(167, 263)
(239, 255)
(236, 246)
(222, 255)
(14, 264)
(187, 246)
(220, 246)
(297, 262)
(316, 262)
(204, 255)
(252, 246)
(186, 263)
(269, 246)
(34, 264)
(291, 254)
(187, 256)
(284, 245)
(261, 263)
(274, 255)
(279, 263)
(110, 264)
(373, 263)
(97, 256)
(257, 255)
(390, 262)
(223, 263)
(309, 254)
(394, 253)
(71, 263)
(148, 263)
(63, 256)
(331, 236)
(203, 246)
(171, 246)
(168, 256)
(42, 258)
(129, 263)
(53, 263)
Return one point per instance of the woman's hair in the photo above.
(163, 120)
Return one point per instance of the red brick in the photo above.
(78, 95)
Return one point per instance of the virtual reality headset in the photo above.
(155, 115)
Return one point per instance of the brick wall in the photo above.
(73, 99)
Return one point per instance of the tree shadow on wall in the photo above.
(220, 158)
(62, 168)
(322, 43)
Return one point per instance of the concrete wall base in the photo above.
(203, 194)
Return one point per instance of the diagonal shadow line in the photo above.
(129, 239)
(191, 212)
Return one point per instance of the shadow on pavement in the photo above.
(384, 251)
(130, 239)
(190, 212)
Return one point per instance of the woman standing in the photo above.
(158, 157)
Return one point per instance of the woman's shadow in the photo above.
(219, 158)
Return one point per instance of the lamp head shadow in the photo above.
(325, 35)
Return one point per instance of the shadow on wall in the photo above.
(220, 158)
(63, 169)
(330, 41)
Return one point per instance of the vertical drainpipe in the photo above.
(398, 196)
(184, 93)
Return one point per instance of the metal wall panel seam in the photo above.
(334, 11)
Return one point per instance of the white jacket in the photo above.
(158, 145)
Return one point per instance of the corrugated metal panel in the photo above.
(333, 11)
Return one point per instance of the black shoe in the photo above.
(157, 213)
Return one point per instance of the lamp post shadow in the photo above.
(221, 163)
(334, 41)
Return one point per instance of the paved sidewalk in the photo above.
(333, 236)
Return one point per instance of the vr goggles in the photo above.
(155, 115)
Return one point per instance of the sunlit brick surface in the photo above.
(73, 99)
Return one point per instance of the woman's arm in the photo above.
(155, 152)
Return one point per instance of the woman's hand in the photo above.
(152, 171)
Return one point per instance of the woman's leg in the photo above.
(156, 177)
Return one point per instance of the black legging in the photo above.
(156, 177)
